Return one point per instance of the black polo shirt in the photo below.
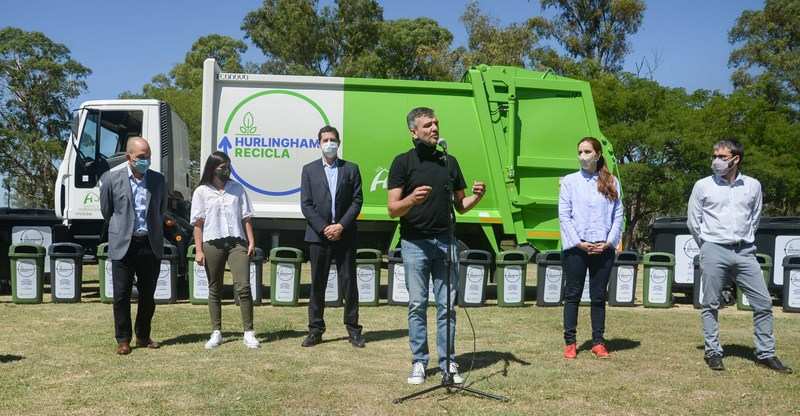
(425, 167)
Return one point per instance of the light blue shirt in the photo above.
(139, 193)
(586, 214)
(332, 172)
(722, 212)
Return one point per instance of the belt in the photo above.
(736, 246)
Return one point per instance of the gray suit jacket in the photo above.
(116, 204)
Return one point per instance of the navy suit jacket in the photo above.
(315, 200)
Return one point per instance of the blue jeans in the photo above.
(421, 259)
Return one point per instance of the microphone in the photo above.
(442, 143)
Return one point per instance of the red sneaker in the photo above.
(600, 351)
(571, 351)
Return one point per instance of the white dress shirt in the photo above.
(222, 210)
(584, 214)
(722, 212)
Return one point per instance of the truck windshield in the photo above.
(102, 142)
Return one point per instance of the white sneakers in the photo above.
(417, 375)
(250, 340)
(457, 378)
(214, 341)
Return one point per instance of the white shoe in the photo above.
(250, 340)
(457, 378)
(417, 375)
(214, 341)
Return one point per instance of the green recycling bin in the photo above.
(368, 276)
(285, 263)
(473, 274)
(167, 283)
(622, 286)
(765, 261)
(509, 274)
(659, 269)
(27, 272)
(791, 283)
(105, 278)
(66, 272)
(549, 279)
(256, 278)
(198, 279)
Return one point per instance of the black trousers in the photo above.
(575, 263)
(321, 255)
(139, 261)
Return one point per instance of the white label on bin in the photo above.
(785, 245)
(26, 279)
(658, 285)
(793, 300)
(284, 279)
(586, 295)
(685, 250)
(109, 286)
(512, 284)
(473, 292)
(625, 283)
(164, 283)
(253, 281)
(34, 234)
(399, 289)
(552, 284)
(745, 301)
(700, 294)
(200, 282)
(63, 281)
(332, 287)
(365, 274)
(431, 292)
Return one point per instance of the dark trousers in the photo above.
(139, 261)
(575, 263)
(321, 255)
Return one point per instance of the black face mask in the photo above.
(223, 174)
(424, 149)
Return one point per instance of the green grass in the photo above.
(58, 359)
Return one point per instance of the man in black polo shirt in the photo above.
(419, 188)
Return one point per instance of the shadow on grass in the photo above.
(614, 344)
(736, 350)
(281, 334)
(197, 338)
(383, 335)
(9, 358)
(484, 359)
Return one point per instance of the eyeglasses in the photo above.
(723, 157)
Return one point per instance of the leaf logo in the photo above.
(248, 125)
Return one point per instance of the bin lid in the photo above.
(25, 251)
(65, 250)
(102, 250)
(395, 255)
(627, 258)
(512, 257)
(779, 223)
(669, 223)
(549, 257)
(286, 254)
(170, 252)
(190, 252)
(765, 260)
(791, 262)
(475, 257)
(658, 258)
(368, 256)
(258, 255)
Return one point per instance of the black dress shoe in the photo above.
(715, 362)
(312, 339)
(773, 363)
(357, 340)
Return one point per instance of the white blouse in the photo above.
(222, 210)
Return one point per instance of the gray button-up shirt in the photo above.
(722, 212)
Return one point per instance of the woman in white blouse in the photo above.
(223, 231)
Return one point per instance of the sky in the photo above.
(126, 43)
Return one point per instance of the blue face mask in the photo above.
(141, 165)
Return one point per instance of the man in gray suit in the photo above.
(133, 202)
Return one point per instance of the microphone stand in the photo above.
(447, 377)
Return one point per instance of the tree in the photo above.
(38, 78)
(591, 29)
(767, 58)
(492, 45)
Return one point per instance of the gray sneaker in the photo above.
(417, 375)
(457, 378)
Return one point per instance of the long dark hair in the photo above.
(212, 163)
(606, 184)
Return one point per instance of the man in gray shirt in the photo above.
(723, 215)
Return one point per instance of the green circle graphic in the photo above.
(270, 92)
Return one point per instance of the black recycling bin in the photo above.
(473, 274)
(368, 275)
(671, 235)
(397, 292)
(622, 284)
(167, 283)
(791, 284)
(549, 278)
(333, 290)
(35, 226)
(778, 237)
(66, 276)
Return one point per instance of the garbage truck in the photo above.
(514, 129)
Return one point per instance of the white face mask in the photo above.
(329, 149)
(722, 167)
(588, 162)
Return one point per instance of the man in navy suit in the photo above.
(331, 198)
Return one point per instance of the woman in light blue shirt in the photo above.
(590, 215)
